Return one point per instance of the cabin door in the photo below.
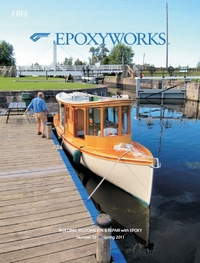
(79, 123)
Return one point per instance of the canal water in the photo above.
(168, 230)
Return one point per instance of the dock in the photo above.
(44, 213)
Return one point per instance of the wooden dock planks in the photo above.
(39, 202)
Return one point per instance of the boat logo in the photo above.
(36, 36)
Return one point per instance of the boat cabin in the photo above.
(96, 119)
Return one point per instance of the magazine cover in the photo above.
(100, 126)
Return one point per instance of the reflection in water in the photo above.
(166, 110)
(165, 114)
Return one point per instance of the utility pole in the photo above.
(54, 55)
(167, 41)
(143, 60)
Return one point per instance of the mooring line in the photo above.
(107, 174)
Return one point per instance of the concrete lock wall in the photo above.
(120, 82)
(15, 96)
(193, 91)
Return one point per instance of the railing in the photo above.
(59, 67)
(134, 72)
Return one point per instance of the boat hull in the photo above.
(96, 131)
(136, 179)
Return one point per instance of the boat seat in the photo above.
(108, 131)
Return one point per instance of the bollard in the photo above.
(49, 130)
(104, 236)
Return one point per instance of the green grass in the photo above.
(39, 83)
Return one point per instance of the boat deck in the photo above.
(42, 212)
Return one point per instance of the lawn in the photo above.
(39, 83)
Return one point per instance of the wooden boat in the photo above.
(96, 131)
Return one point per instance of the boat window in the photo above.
(93, 121)
(110, 125)
(115, 121)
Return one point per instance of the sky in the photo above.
(78, 25)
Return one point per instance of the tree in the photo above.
(105, 60)
(98, 54)
(198, 65)
(78, 62)
(6, 54)
(121, 54)
(68, 61)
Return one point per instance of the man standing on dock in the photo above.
(40, 109)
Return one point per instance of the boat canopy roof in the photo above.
(85, 98)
